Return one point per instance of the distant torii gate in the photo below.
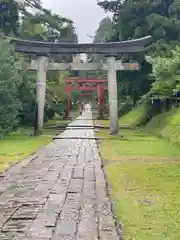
(100, 89)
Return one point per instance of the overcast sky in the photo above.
(85, 14)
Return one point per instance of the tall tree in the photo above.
(9, 17)
(103, 33)
(134, 19)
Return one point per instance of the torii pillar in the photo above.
(68, 101)
(112, 95)
(40, 93)
(100, 90)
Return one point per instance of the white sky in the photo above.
(85, 14)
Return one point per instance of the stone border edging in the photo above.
(118, 225)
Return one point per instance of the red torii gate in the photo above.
(99, 88)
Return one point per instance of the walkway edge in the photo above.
(117, 223)
(118, 226)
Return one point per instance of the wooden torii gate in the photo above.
(99, 88)
(110, 49)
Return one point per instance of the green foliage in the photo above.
(157, 18)
(26, 94)
(56, 96)
(103, 33)
(9, 17)
(46, 26)
(32, 30)
(42, 25)
(166, 75)
(161, 20)
(10, 80)
(134, 84)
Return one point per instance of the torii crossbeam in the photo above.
(132, 66)
(45, 48)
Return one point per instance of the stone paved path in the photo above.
(59, 193)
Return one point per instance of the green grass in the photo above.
(21, 144)
(166, 125)
(133, 118)
(56, 122)
(135, 143)
(143, 172)
(101, 122)
(147, 196)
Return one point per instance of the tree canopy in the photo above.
(158, 77)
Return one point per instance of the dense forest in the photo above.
(29, 20)
(157, 84)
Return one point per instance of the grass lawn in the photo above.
(122, 122)
(56, 122)
(101, 122)
(135, 143)
(144, 176)
(19, 145)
